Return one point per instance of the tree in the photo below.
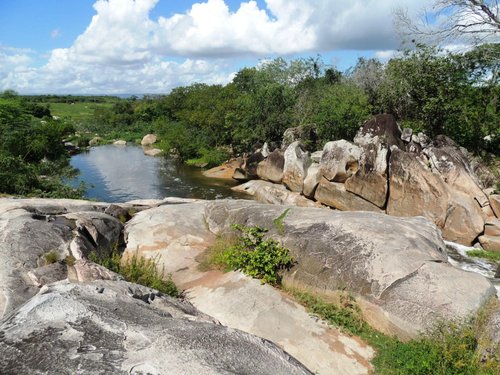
(475, 21)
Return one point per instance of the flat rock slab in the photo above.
(109, 327)
(243, 303)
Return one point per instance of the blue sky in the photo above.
(151, 46)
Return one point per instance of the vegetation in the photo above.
(450, 347)
(252, 254)
(490, 255)
(51, 257)
(278, 222)
(137, 270)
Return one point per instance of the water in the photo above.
(457, 256)
(123, 173)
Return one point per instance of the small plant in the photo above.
(51, 257)
(70, 260)
(278, 222)
(137, 270)
(255, 256)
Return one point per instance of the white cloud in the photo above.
(124, 50)
(56, 33)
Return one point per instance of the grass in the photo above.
(51, 257)
(137, 270)
(278, 222)
(78, 111)
(490, 255)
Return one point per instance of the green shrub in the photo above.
(255, 256)
(137, 270)
(70, 260)
(278, 222)
(51, 257)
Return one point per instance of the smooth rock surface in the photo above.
(495, 204)
(148, 140)
(120, 143)
(297, 162)
(312, 180)
(397, 264)
(335, 195)
(106, 327)
(271, 168)
(152, 151)
(267, 192)
(340, 160)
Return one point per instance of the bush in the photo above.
(51, 257)
(255, 256)
(210, 158)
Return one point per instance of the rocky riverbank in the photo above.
(85, 316)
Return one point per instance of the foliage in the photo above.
(137, 270)
(51, 257)
(278, 222)
(491, 255)
(255, 256)
(210, 157)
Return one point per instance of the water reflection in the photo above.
(122, 173)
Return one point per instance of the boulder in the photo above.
(340, 160)
(152, 151)
(406, 135)
(225, 171)
(148, 140)
(312, 180)
(316, 156)
(271, 168)
(370, 181)
(384, 128)
(415, 190)
(30, 230)
(120, 143)
(295, 168)
(397, 265)
(267, 192)
(495, 204)
(335, 195)
(490, 243)
(248, 170)
(114, 327)
(95, 141)
(492, 227)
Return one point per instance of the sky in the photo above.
(151, 46)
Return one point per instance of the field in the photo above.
(78, 111)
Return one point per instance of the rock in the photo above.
(29, 230)
(119, 212)
(340, 160)
(99, 328)
(415, 190)
(406, 134)
(306, 134)
(120, 143)
(371, 181)
(95, 141)
(316, 156)
(489, 332)
(490, 243)
(268, 192)
(312, 180)
(152, 151)
(148, 140)
(335, 195)
(397, 265)
(382, 127)
(495, 204)
(492, 227)
(271, 168)
(464, 219)
(295, 168)
(225, 171)
(265, 150)
(86, 271)
(248, 170)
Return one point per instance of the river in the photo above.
(122, 173)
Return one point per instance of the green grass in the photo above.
(278, 222)
(78, 111)
(490, 255)
(448, 348)
(51, 257)
(137, 270)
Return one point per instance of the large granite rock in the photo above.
(340, 160)
(148, 140)
(382, 127)
(271, 168)
(312, 180)
(248, 170)
(114, 327)
(397, 265)
(415, 190)
(495, 204)
(334, 194)
(295, 168)
(267, 192)
(370, 181)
